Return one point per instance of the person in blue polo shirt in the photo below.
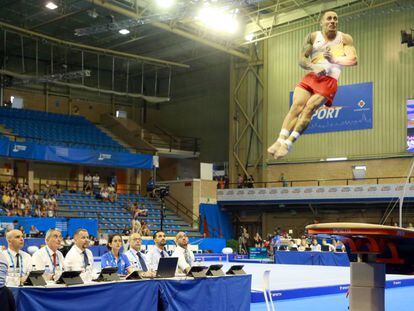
(114, 258)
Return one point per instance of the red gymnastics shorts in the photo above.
(323, 85)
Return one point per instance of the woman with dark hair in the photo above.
(114, 258)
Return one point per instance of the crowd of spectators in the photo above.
(19, 200)
(92, 186)
(282, 241)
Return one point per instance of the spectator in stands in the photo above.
(104, 194)
(136, 226)
(158, 250)
(315, 246)
(303, 245)
(95, 183)
(21, 228)
(113, 181)
(327, 246)
(258, 241)
(126, 230)
(6, 296)
(111, 193)
(79, 256)
(102, 238)
(250, 182)
(282, 179)
(67, 241)
(240, 181)
(87, 181)
(340, 247)
(275, 242)
(47, 188)
(88, 189)
(226, 181)
(16, 258)
(33, 232)
(292, 245)
(150, 186)
(185, 256)
(114, 258)
(58, 189)
(135, 257)
(220, 183)
(49, 257)
(145, 231)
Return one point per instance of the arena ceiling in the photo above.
(170, 40)
(173, 35)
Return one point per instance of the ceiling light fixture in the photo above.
(124, 31)
(165, 4)
(218, 19)
(51, 5)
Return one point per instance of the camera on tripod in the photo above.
(161, 191)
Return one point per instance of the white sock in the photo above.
(288, 143)
(284, 132)
(295, 135)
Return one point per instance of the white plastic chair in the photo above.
(227, 251)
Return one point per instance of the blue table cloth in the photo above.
(312, 258)
(217, 293)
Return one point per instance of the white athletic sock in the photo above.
(284, 132)
(288, 143)
(295, 135)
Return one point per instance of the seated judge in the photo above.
(49, 255)
(185, 256)
(114, 258)
(6, 297)
(158, 250)
(79, 257)
(136, 258)
(16, 258)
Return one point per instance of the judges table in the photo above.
(311, 258)
(213, 293)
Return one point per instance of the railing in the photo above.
(39, 184)
(181, 210)
(325, 182)
(162, 139)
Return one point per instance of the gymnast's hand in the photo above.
(328, 56)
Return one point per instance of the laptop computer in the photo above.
(167, 267)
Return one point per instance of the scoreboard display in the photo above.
(258, 253)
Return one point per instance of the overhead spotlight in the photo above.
(51, 5)
(249, 37)
(165, 4)
(218, 19)
(124, 31)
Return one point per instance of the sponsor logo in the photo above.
(396, 283)
(274, 191)
(332, 190)
(386, 188)
(296, 191)
(327, 113)
(251, 192)
(276, 294)
(346, 189)
(231, 192)
(308, 190)
(18, 148)
(262, 192)
(240, 192)
(361, 104)
(358, 189)
(104, 156)
(319, 190)
(343, 288)
(284, 191)
(372, 189)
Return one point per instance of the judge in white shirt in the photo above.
(135, 257)
(49, 258)
(16, 258)
(79, 257)
(185, 256)
(157, 251)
